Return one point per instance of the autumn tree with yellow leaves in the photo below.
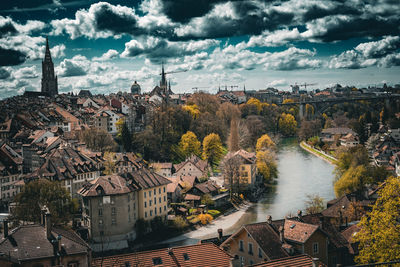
(379, 235)
(287, 124)
(189, 144)
(212, 149)
(266, 159)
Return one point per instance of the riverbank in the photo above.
(211, 230)
(318, 153)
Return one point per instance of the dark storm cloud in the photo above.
(4, 73)
(343, 29)
(108, 19)
(10, 57)
(184, 10)
(7, 29)
(316, 12)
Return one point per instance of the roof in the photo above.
(107, 185)
(196, 161)
(198, 255)
(161, 165)
(145, 178)
(30, 241)
(294, 261)
(192, 197)
(207, 187)
(249, 157)
(267, 238)
(298, 231)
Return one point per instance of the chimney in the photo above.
(48, 224)
(269, 219)
(220, 234)
(5, 228)
(59, 244)
(281, 233)
(43, 215)
(315, 262)
(299, 214)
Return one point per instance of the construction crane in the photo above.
(307, 84)
(170, 72)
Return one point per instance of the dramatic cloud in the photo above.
(76, 66)
(110, 54)
(157, 49)
(26, 73)
(381, 53)
(10, 57)
(292, 59)
(5, 73)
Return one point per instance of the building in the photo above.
(152, 194)
(110, 210)
(331, 135)
(247, 169)
(42, 245)
(199, 255)
(349, 140)
(192, 166)
(10, 174)
(107, 120)
(135, 88)
(49, 79)
(70, 167)
(255, 243)
(295, 261)
(162, 168)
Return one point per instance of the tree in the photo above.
(98, 140)
(352, 180)
(206, 199)
(192, 109)
(309, 129)
(36, 194)
(379, 235)
(233, 140)
(109, 163)
(314, 204)
(189, 144)
(255, 102)
(265, 142)
(205, 218)
(230, 167)
(287, 124)
(266, 164)
(124, 136)
(212, 149)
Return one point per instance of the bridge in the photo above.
(321, 104)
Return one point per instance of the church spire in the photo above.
(49, 79)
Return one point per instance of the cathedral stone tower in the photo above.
(49, 79)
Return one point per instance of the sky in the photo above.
(106, 46)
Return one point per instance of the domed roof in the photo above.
(135, 88)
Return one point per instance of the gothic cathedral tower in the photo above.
(49, 79)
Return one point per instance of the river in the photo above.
(300, 174)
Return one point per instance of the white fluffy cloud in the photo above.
(110, 54)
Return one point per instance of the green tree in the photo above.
(264, 142)
(287, 124)
(124, 136)
(314, 204)
(189, 144)
(379, 236)
(36, 194)
(212, 149)
(352, 180)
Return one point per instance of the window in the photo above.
(127, 264)
(73, 264)
(260, 253)
(164, 189)
(113, 211)
(145, 214)
(144, 194)
(150, 203)
(100, 212)
(160, 210)
(149, 193)
(164, 198)
(155, 191)
(145, 204)
(159, 190)
(151, 213)
(186, 257)
(315, 248)
(159, 199)
(251, 262)
(157, 261)
(101, 233)
(250, 248)
(113, 221)
(241, 261)
(165, 208)
(155, 200)
(240, 245)
(155, 211)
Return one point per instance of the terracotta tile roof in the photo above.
(267, 238)
(199, 255)
(30, 241)
(161, 165)
(349, 232)
(196, 161)
(298, 231)
(294, 261)
(207, 187)
(191, 197)
(107, 185)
